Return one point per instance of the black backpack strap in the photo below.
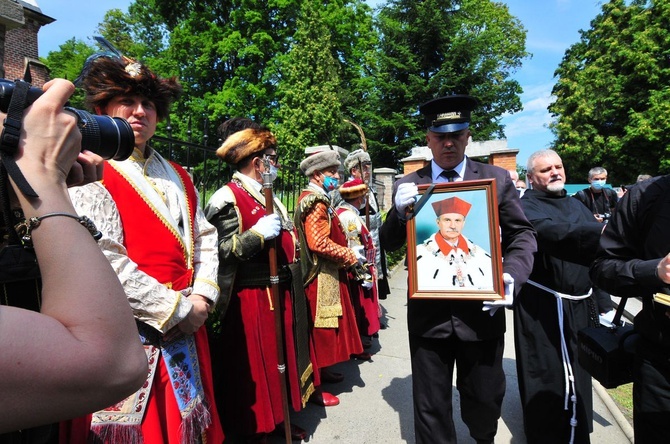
(9, 139)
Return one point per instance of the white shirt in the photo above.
(151, 301)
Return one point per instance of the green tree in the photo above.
(66, 63)
(433, 48)
(612, 103)
(309, 111)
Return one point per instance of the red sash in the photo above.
(252, 210)
(151, 243)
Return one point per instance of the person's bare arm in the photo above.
(82, 352)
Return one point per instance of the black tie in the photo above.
(450, 175)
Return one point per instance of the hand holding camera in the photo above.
(109, 137)
(46, 164)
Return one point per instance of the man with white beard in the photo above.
(553, 306)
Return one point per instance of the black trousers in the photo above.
(651, 394)
(480, 381)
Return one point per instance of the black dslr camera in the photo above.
(108, 137)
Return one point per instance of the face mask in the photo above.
(330, 183)
(598, 184)
(273, 172)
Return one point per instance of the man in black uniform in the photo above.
(553, 306)
(443, 332)
(633, 261)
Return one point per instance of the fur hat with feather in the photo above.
(110, 74)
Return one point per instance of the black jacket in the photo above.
(442, 318)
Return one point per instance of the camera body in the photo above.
(109, 137)
(605, 217)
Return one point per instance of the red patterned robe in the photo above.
(324, 258)
(245, 351)
(365, 300)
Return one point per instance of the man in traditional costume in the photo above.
(448, 334)
(164, 251)
(363, 287)
(553, 306)
(449, 260)
(248, 385)
(358, 165)
(325, 259)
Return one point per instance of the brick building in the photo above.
(20, 21)
(494, 152)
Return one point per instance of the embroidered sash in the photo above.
(143, 211)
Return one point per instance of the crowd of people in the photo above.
(212, 325)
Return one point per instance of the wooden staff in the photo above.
(276, 301)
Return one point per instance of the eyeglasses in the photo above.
(274, 158)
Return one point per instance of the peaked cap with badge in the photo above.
(448, 114)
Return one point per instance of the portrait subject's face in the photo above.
(450, 226)
(448, 148)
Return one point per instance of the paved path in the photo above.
(376, 396)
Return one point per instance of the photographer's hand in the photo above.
(50, 141)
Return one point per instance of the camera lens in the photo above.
(108, 137)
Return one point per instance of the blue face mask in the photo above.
(273, 172)
(330, 183)
(598, 184)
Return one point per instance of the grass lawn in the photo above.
(623, 397)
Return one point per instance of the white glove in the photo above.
(508, 301)
(268, 226)
(366, 284)
(405, 196)
(359, 251)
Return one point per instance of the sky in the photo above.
(552, 27)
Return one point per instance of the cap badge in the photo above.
(449, 116)
(133, 69)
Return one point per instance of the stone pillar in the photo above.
(383, 180)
